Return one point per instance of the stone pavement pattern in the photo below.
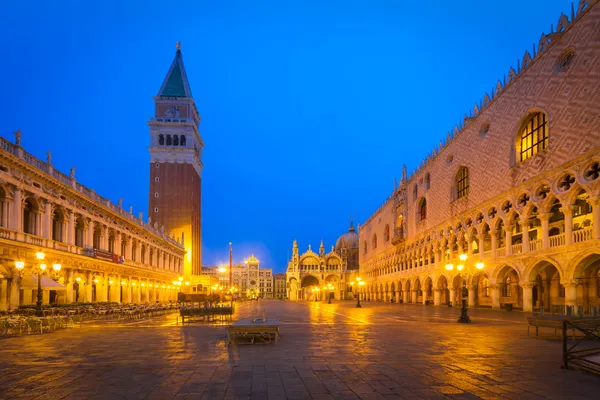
(380, 351)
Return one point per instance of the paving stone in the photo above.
(325, 352)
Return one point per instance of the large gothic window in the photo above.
(462, 182)
(175, 140)
(375, 241)
(534, 136)
(386, 233)
(169, 140)
(161, 139)
(182, 140)
(422, 214)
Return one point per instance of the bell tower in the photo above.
(176, 164)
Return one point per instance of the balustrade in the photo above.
(535, 245)
(500, 252)
(582, 235)
(557, 240)
(516, 248)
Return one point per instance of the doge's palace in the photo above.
(94, 250)
(514, 188)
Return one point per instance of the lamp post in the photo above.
(464, 317)
(40, 293)
(358, 282)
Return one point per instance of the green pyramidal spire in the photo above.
(176, 83)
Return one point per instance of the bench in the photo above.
(253, 331)
(545, 322)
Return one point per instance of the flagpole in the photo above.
(230, 267)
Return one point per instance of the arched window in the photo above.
(152, 253)
(175, 140)
(375, 241)
(123, 247)
(507, 289)
(169, 140)
(143, 255)
(134, 251)
(415, 192)
(79, 232)
(462, 182)
(58, 220)
(3, 208)
(533, 137)
(386, 233)
(486, 287)
(427, 181)
(161, 139)
(365, 247)
(422, 211)
(111, 242)
(97, 237)
(182, 140)
(30, 213)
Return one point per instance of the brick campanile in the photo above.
(176, 164)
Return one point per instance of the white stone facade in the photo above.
(106, 253)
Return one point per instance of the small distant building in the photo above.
(280, 291)
(250, 280)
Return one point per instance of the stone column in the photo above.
(453, 297)
(471, 296)
(104, 238)
(46, 217)
(14, 286)
(397, 299)
(405, 295)
(570, 294)
(525, 234)
(102, 289)
(544, 219)
(138, 289)
(527, 297)
(69, 287)
(3, 294)
(70, 238)
(414, 296)
(89, 236)
(129, 291)
(494, 236)
(16, 218)
(595, 202)
(481, 244)
(118, 243)
(495, 296)
(508, 239)
(88, 286)
(436, 297)
(568, 212)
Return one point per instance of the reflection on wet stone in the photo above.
(382, 351)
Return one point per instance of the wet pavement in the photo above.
(337, 351)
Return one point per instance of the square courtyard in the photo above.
(325, 351)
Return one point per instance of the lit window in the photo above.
(462, 182)
(534, 136)
(156, 179)
(155, 194)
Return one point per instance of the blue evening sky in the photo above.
(309, 107)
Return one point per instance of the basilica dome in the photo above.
(348, 240)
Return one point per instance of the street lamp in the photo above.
(464, 317)
(56, 267)
(330, 287)
(358, 282)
